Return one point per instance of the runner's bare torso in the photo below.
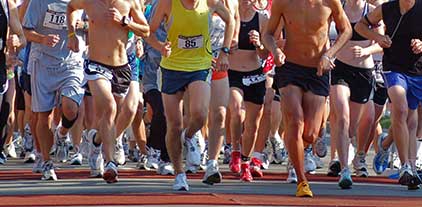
(306, 24)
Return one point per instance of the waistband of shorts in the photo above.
(178, 71)
(297, 66)
(258, 71)
(357, 69)
(108, 66)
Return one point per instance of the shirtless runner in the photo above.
(107, 70)
(303, 80)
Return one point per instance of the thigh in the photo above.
(236, 100)
(397, 95)
(220, 93)
(173, 109)
(339, 100)
(313, 110)
(199, 89)
(291, 103)
(101, 92)
(253, 114)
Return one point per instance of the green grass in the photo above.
(385, 122)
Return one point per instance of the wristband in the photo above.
(328, 58)
(71, 34)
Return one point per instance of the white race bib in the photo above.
(190, 42)
(55, 20)
(250, 80)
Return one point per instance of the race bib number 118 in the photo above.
(55, 20)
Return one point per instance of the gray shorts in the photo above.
(50, 83)
(151, 70)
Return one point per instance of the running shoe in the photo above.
(318, 162)
(110, 172)
(234, 164)
(351, 154)
(165, 168)
(95, 158)
(227, 154)
(334, 168)
(29, 157)
(3, 158)
(269, 150)
(292, 177)
(304, 190)
(359, 165)
(265, 161)
(37, 167)
(84, 147)
(245, 174)
(380, 162)
(345, 181)
(212, 174)
(204, 156)
(309, 162)
(181, 182)
(76, 159)
(153, 158)
(321, 146)
(10, 150)
(134, 155)
(62, 148)
(279, 152)
(48, 171)
(256, 166)
(193, 150)
(191, 169)
(28, 142)
(119, 153)
(416, 182)
(406, 175)
(142, 162)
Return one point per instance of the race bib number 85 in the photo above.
(190, 42)
(55, 20)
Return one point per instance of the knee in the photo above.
(400, 114)
(131, 109)
(109, 111)
(309, 136)
(218, 116)
(199, 116)
(236, 111)
(70, 111)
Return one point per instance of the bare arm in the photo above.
(261, 50)
(343, 25)
(268, 35)
(139, 25)
(161, 13)
(70, 15)
(16, 27)
(373, 19)
(22, 9)
(225, 15)
(237, 23)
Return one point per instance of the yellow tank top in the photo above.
(188, 32)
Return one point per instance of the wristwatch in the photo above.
(125, 21)
(225, 50)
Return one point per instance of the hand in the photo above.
(51, 40)
(115, 15)
(166, 49)
(279, 57)
(416, 45)
(358, 51)
(325, 64)
(254, 38)
(11, 60)
(222, 62)
(80, 25)
(384, 41)
(13, 41)
(73, 43)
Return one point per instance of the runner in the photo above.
(107, 71)
(403, 74)
(185, 67)
(9, 46)
(219, 95)
(352, 87)
(247, 89)
(303, 80)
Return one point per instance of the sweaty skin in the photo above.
(107, 40)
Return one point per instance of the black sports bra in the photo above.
(245, 28)
(356, 36)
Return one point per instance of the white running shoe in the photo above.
(62, 148)
(279, 150)
(227, 154)
(142, 162)
(269, 151)
(3, 158)
(165, 168)
(84, 147)
(318, 162)
(193, 150)
(292, 177)
(37, 167)
(48, 171)
(110, 173)
(181, 182)
(153, 158)
(212, 174)
(29, 157)
(95, 157)
(28, 142)
(359, 165)
(119, 152)
(351, 154)
(310, 165)
(10, 150)
(76, 159)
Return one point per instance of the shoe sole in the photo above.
(110, 176)
(212, 179)
(76, 163)
(29, 161)
(345, 184)
(256, 174)
(335, 170)
(406, 179)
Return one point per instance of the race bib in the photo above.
(250, 80)
(55, 20)
(190, 42)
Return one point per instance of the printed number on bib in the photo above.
(190, 42)
(55, 20)
(250, 80)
